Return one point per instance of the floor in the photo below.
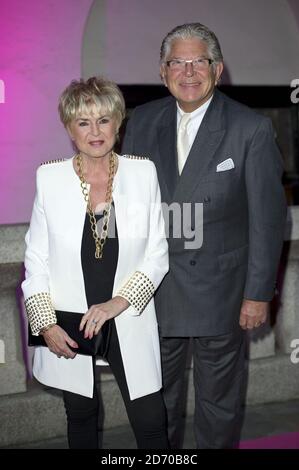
(260, 421)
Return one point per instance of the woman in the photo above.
(73, 264)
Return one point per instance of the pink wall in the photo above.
(40, 52)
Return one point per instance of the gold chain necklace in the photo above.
(99, 240)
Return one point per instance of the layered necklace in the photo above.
(99, 239)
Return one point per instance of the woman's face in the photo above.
(94, 133)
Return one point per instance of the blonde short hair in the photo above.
(96, 92)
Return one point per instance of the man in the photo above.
(211, 150)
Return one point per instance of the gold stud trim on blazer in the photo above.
(138, 291)
(135, 157)
(40, 312)
(48, 162)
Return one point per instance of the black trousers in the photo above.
(219, 385)
(147, 414)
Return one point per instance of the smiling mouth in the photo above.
(190, 84)
(96, 142)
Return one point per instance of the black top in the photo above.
(99, 273)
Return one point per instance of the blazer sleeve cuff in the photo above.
(137, 291)
(40, 312)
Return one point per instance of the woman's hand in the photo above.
(58, 341)
(95, 317)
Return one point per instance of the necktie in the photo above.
(183, 141)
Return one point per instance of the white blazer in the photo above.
(53, 265)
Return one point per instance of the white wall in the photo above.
(259, 38)
(45, 44)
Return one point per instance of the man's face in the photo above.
(190, 86)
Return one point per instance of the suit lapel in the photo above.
(121, 203)
(167, 147)
(74, 203)
(207, 140)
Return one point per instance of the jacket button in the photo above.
(192, 262)
(207, 199)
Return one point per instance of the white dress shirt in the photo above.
(196, 118)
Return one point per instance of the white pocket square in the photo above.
(227, 164)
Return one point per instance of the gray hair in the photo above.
(192, 30)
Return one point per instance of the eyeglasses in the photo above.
(198, 64)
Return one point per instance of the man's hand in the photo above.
(58, 341)
(95, 317)
(253, 314)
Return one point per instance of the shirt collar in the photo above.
(198, 111)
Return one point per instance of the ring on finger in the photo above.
(94, 321)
